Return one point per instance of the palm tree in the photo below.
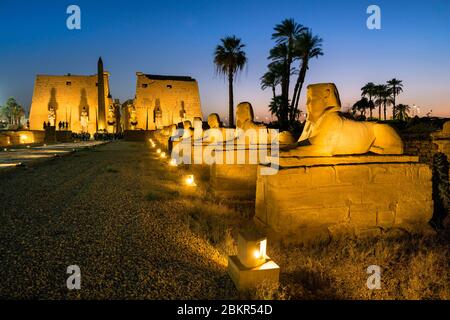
(278, 55)
(306, 47)
(230, 59)
(395, 86)
(383, 99)
(275, 106)
(12, 111)
(272, 77)
(361, 106)
(401, 112)
(369, 90)
(285, 34)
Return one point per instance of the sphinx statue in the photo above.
(188, 131)
(245, 121)
(327, 132)
(215, 133)
(214, 121)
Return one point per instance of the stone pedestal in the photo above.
(361, 194)
(50, 134)
(252, 267)
(234, 176)
(246, 278)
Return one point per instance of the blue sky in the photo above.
(179, 37)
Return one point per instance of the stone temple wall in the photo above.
(172, 93)
(68, 95)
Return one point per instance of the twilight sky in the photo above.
(179, 37)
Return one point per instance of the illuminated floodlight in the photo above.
(189, 180)
(173, 162)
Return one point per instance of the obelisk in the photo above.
(101, 120)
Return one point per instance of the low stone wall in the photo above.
(345, 194)
(64, 136)
(18, 137)
(5, 140)
(422, 146)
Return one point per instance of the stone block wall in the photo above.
(18, 137)
(4, 140)
(422, 146)
(358, 198)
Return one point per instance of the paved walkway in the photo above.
(91, 209)
(11, 157)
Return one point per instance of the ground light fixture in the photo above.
(189, 180)
(158, 151)
(252, 266)
(173, 162)
(163, 155)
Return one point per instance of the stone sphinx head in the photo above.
(244, 112)
(214, 121)
(321, 98)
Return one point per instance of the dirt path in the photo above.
(90, 209)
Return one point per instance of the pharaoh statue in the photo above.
(51, 116)
(84, 120)
(327, 132)
(244, 122)
(133, 117)
(157, 115)
(111, 116)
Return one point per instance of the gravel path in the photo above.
(90, 209)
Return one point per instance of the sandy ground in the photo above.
(90, 209)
